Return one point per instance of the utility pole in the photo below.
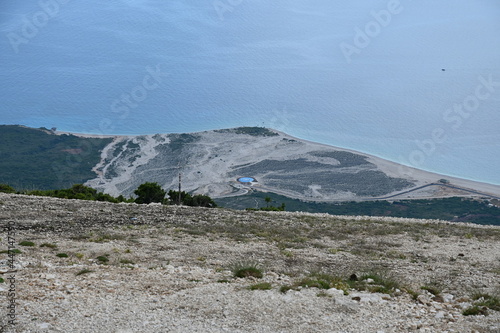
(179, 188)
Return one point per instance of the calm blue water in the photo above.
(154, 66)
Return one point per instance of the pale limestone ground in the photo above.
(169, 270)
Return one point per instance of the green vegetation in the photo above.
(84, 271)
(37, 158)
(102, 259)
(16, 251)
(381, 283)
(26, 243)
(451, 209)
(254, 131)
(62, 255)
(197, 200)
(475, 310)
(49, 245)
(371, 282)
(7, 189)
(126, 262)
(243, 270)
(148, 193)
(482, 303)
(432, 288)
(320, 281)
(261, 286)
(269, 207)
(80, 192)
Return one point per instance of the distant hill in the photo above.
(39, 159)
(213, 163)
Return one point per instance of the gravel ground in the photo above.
(169, 269)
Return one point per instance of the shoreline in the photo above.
(390, 167)
(86, 135)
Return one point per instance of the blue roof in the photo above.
(246, 179)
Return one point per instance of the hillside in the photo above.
(38, 159)
(152, 268)
(211, 162)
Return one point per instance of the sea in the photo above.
(415, 82)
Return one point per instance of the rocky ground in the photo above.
(152, 268)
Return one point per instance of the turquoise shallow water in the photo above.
(366, 75)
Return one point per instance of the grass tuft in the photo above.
(381, 283)
(16, 251)
(261, 286)
(26, 243)
(323, 281)
(482, 303)
(244, 270)
(83, 271)
(127, 262)
(49, 245)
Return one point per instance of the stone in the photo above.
(439, 315)
(422, 299)
(448, 298)
(334, 292)
(43, 326)
(368, 297)
(438, 298)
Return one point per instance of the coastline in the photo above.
(392, 168)
(96, 136)
(421, 175)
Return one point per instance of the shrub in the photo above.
(198, 200)
(7, 189)
(62, 255)
(148, 193)
(102, 259)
